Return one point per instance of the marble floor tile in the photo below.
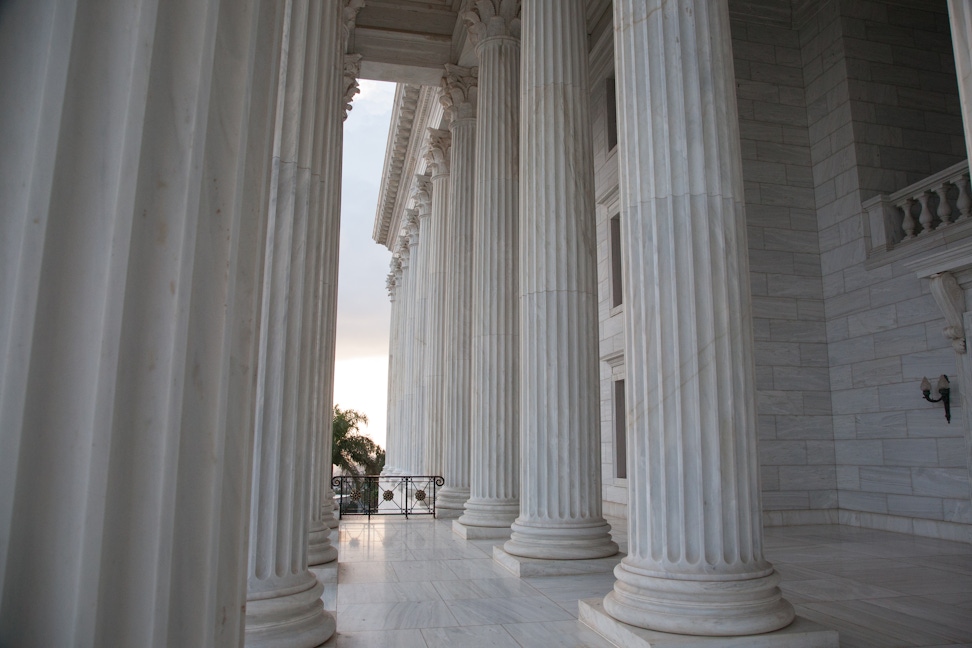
(486, 636)
(506, 610)
(393, 616)
(563, 634)
(416, 584)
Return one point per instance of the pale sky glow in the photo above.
(361, 369)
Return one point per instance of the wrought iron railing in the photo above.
(386, 495)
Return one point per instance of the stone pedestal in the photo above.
(802, 633)
(695, 563)
(459, 98)
(560, 507)
(494, 448)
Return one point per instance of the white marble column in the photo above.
(459, 98)
(128, 237)
(960, 21)
(322, 238)
(392, 432)
(418, 422)
(695, 563)
(560, 484)
(435, 237)
(283, 605)
(494, 502)
(406, 295)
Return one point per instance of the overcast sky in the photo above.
(361, 369)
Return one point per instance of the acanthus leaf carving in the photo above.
(460, 87)
(352, 67)
(490, 18)
(437, 155)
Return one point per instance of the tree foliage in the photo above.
(351, 451)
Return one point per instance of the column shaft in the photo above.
(960, 19)
(695, 562)
(283, 596)
(435, 239)
(126, 299)
(419, 322)
(460, 90)
(494, 449)
(322, 242)
(560, 505)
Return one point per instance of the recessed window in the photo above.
(612, 113)
(617, 292)
(620, 429)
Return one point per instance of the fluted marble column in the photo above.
(394, 285)
(419, 322)
(320, 285)
(129, 234)
(695, 563)
(560, 504)
(494, 450)
(459, 96)
(410, 238)
(436, 239)
(283, 605)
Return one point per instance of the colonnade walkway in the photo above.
(414, 583)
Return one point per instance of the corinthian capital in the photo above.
(352, 67)
(438, 154)
(459, 91)
(488, 18)
(422, 194)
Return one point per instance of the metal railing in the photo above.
(386, 495)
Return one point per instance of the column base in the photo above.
(801, 633)
(319, 547)
(561, 542)
(451, 502)
(496, 513)
(711, 605)
(528, 567)
(478, 532)
(291, 618)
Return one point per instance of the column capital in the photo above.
(492, 18)
(352, 67)
(459, 92)
(437, 155)
(422, 195)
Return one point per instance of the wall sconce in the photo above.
(943, 394)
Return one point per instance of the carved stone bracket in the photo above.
(459, 92)
(490, 18)
(352, 67)
(951, 300)
(438, 154)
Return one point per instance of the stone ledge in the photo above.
(802, 633)
(527, 567)
(479, 533)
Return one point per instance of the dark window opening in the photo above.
(620, 429)
(612, 114)
(617, 293)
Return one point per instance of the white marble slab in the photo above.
(525, 567)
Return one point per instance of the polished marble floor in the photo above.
(404, 584)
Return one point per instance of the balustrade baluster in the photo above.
(964, 201)
(908, 223)
(944, 209)
(925, 217)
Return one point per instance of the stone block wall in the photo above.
(798, 475)
(882, 110)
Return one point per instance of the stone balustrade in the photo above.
(919, 210)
